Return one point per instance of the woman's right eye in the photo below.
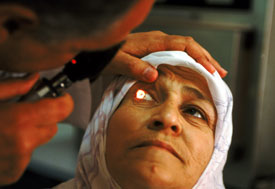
(142, 95)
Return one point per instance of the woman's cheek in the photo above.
(204, 147)
(127, 118)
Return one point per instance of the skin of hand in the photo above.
(25, 126)
(127, 60)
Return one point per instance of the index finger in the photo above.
(196, 51)
(203, 57)
(13, 87)
(218, 67)
(132, 66)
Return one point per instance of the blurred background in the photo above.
(240, 35)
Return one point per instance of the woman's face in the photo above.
(162, 135)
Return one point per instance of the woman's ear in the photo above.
(15, 18)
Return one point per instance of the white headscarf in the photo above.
(92, 171)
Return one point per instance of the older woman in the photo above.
(173, 133)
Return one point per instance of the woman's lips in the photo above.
(162, 145)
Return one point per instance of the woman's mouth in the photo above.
(160, 144)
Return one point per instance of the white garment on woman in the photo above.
(92, 171)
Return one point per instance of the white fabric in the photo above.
(92, 171)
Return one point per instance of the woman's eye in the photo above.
(143, 95)
(194, 112)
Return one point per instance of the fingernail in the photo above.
(150, 74)
(224, 72)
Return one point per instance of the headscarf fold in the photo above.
(92, 171)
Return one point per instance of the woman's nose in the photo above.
(166, 119)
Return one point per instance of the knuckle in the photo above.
(135, 67)
(176, 39)
(21, 142)
(158, 32)
(56, 108)
(22, 146)
(52, 131)
(64, 106)
(189, 39)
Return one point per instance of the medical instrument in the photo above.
(84, 65)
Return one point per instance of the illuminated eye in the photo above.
(143, 95)
(140, 94)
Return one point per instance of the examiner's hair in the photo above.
(66, 18)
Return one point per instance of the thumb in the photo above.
(126, 64)
(11, 88)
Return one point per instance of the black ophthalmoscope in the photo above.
(84, 65)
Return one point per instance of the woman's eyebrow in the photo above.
(195, 92)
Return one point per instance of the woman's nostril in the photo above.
(174, 128)
(158, 125)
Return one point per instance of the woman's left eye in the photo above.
(194, 112)
(143, 95)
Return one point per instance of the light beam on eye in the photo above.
(140, 94)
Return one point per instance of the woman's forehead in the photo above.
(184, 75)
(181, 71)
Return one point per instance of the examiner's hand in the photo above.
(24, 126)
(128, 62)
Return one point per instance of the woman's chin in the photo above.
(149, 177)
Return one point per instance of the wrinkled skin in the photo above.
(165, 138)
